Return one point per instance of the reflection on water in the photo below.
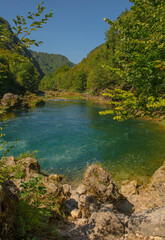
(69, 135)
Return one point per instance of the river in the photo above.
(70, 135)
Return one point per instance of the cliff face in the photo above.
(8, 39)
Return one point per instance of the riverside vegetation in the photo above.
(129, 67)
(20, 72)
(131, 64)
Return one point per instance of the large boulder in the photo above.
(106, 225)
(10, 100)
(98, 182)
(158, 182)
(159, 176)
(30, 167)
(148, 196)
(148, 223)
(102, 225)
(88, 204)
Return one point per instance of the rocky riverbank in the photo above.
(96, 209)
(50, 95)
(10, 102)
(71, 95)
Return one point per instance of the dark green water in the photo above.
(69, 135)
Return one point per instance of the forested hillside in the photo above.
(19, 69)
(132, 60)
(86, 76)
(50, 62)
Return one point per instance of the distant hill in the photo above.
(50, 62)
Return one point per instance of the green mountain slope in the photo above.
(88, 75)
(8, 43)
(131, 64)
(50, 62)
(19, 70)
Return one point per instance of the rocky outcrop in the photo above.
(146, 197)
(100, 212)
(10, 100)
(30, 167)
(157, 182)
(96, 209)
(148, 223)
(98, 182)
(106, 224)
(129, 188)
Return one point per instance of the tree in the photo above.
(140, 57)
(80, 81)
(26, 76)
(22, 29)
(17, 71)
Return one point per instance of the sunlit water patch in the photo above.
(69, 135)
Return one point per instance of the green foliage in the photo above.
(19, 73)
(33, 189)
(126, 105)
(54, 81)
(50, 62)
(32, 211)
(9, 172)
(23, 30)
(139, 60)
(30, 221)
(7, 79)
(31, 154)
(80, 81)
(26, 75)
(141, 34)
(4, 143)
(87, 75)
(132, 60)
(33, 100)
(17, 172)
(4, 172)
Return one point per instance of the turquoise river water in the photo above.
(70, 135)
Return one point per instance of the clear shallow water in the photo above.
(69, 135)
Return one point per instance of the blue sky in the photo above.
(76, 27)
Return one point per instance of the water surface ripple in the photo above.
(69, 135)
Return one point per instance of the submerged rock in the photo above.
(40, 103)
(55, 178)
